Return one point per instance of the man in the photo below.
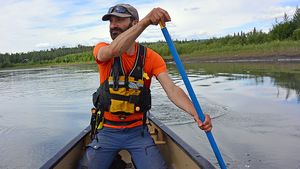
(131, 73)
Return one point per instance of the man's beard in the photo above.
(115, 35)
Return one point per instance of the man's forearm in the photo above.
(124, 41)
(181, 100)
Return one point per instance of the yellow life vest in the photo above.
(122, 94)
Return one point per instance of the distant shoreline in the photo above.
(222, 59)
(238, 58)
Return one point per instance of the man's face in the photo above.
(118, 25)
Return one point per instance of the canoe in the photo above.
(177, 153)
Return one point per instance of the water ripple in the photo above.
(169, 114)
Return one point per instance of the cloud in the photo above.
(25, 24)
(274, 12)
(194, 8)
(43, 45)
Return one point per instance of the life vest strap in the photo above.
(120, 123)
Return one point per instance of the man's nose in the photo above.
(113, 24)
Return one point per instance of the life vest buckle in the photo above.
(115, 86)
(122, 117)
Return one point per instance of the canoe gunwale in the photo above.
(59, 156)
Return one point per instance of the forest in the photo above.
(284, 35)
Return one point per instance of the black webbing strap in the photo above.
(115, 71)
(120, 123)
(145, 118)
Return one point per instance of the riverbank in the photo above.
(26, 66)
(241, 57)
(233, 57)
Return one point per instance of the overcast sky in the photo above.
(33, 25)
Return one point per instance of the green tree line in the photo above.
(281, 32)
(286, 30)
(54, 55)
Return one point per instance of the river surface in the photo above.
(255, 110)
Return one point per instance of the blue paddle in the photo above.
(192, 94)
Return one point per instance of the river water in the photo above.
(255, 110)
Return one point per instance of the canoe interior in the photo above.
(177, 154)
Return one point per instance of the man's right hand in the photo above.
(157, 15)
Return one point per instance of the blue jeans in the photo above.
(143, 150)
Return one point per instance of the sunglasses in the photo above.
(120, 9)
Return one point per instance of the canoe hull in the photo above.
(177, 154)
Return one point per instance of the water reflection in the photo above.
(283, 75)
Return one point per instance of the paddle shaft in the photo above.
(192, 94)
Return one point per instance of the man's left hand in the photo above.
(206, 125)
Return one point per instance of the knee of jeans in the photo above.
(150, 148)
(92, 150)
(89, 156)
(151, 160)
